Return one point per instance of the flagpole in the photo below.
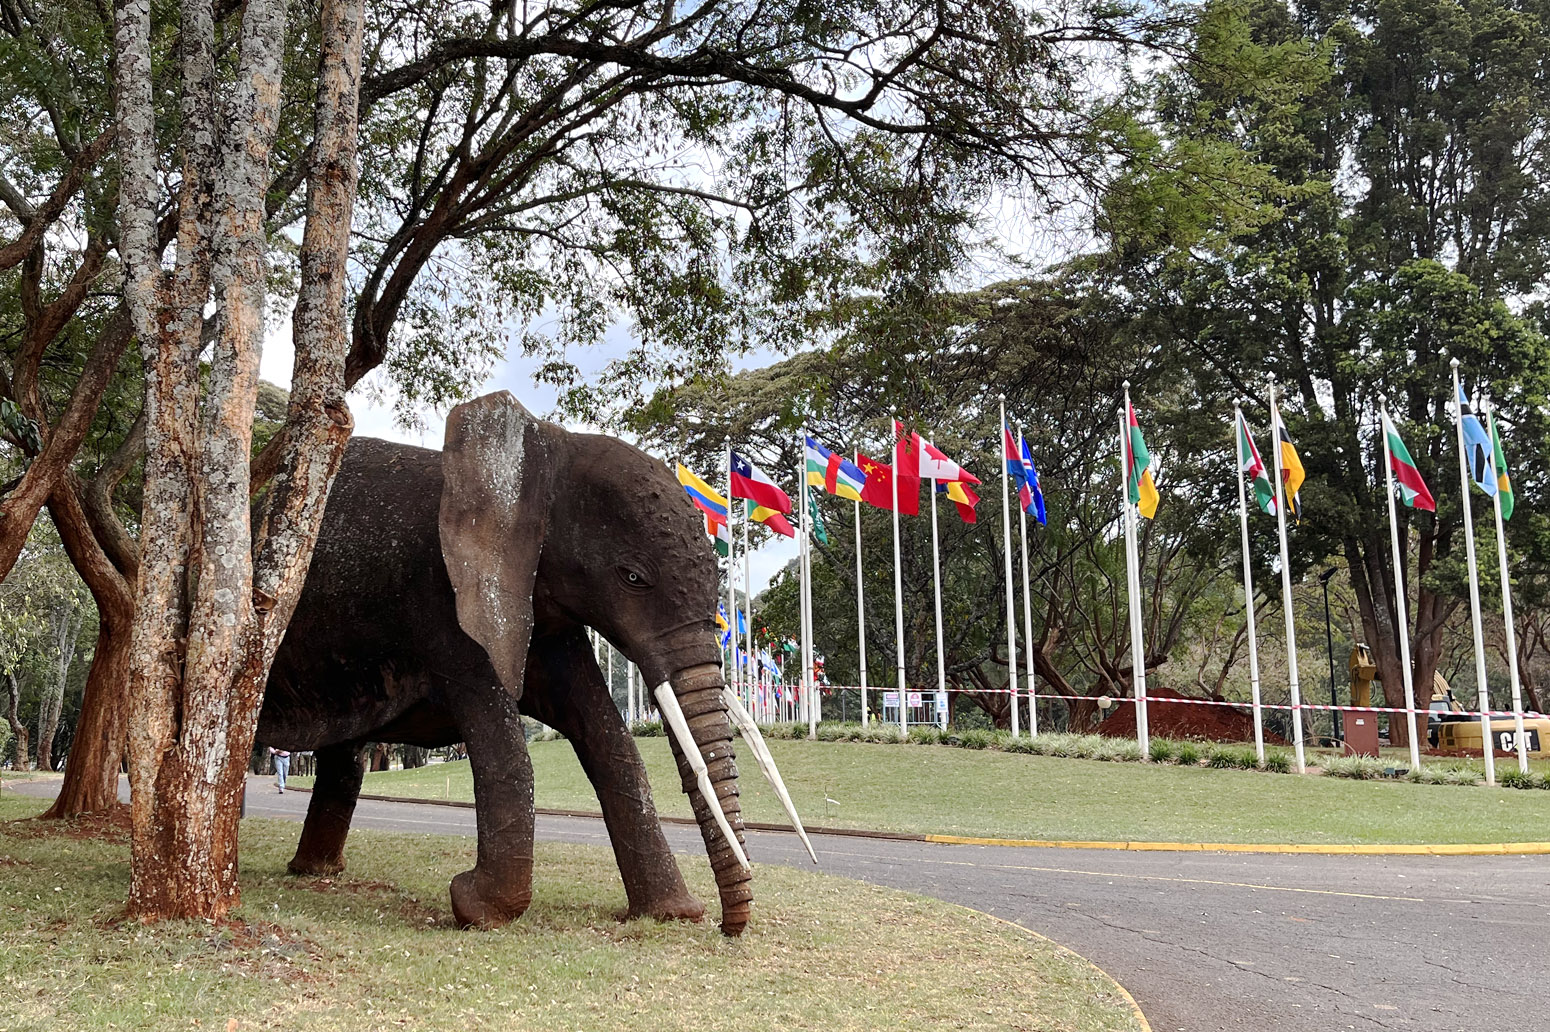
(1286, 582)
(1401, 595)
(731, 660)
(898, 583)
(1512, 633)
(936, 587)
(1011, 601)
(802, 569)
(860, 610)
(1487, 745)
(1133, 583)
(809, 703)
(1022, 516)
(1238, 427)
(748, 668)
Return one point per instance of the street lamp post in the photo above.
(1336, 725)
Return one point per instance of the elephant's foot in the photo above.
(478, 901)
(679, 906)
(316, 865)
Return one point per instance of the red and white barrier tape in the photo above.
(1154, 700)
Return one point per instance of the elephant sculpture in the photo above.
(450, 592)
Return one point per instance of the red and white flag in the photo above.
(751, 482)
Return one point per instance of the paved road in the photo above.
(1205, 942)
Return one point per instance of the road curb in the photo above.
(1317, 849)
(1328, 849)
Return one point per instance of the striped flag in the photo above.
(834, 473)
(1250, 463)
(1412, 489)
(1477, 447)
(751, 482)
(1503, 482)
(1138, 467)
(703, 495)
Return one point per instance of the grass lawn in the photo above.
(949, 791)
(376, 949)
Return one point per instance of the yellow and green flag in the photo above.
(1503, 484)
(1138, 468)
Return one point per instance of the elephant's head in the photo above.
(604, 532)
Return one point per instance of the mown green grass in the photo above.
(942, 790)
(376, 949)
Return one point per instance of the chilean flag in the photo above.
(749, 481)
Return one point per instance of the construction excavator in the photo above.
(1449, 728)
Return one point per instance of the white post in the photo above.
(1240, 427)
(860, 611)
(1286, 582)
(750, 676)
(1487, 746)
(1022, 516)
(1006, 548)
(898, 586)
(810, 702)
(1133, 583)
(936, 584)
(1401, 595)
(731, 668)
(1512, 632)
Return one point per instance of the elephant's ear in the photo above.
(498, 470)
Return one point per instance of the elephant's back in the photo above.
(377, 588)
(381, 517)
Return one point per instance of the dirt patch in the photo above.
(410, 908)
(1203, 723)
(110, 826)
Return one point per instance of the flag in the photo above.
(771, 519)
(1292, 474)
(962, 495)
(834, 473)
(933, 463)
(751, 482)
(878, 490)
(722, 625)
(1412, 489)
(1138, 468)
(1477, 447)
(1030, 494)
(720, 535)
(1249, 462)
(703, 495)
(906, 466)
(819, 530)
(1503, 484)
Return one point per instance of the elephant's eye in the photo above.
(634, 578)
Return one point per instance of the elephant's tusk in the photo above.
(667, 702)
(762, 756)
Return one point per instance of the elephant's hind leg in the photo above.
(334, 792)
(565, 689)
(500, 886)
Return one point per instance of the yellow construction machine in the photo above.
(1448, 727)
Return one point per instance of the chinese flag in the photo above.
(878, 489)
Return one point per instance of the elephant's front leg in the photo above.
(565, 689)
(500, 886)
(334, 792)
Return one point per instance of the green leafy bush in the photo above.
(1359, 768)
(927, 736)
(1164, 750)
(1515, 778)
(1188, 754)
(975, 738)
(1232, 757)
(647, 729)
(1278, 761)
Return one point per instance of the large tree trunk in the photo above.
(97, 752)
(18, 726)
(214, 596)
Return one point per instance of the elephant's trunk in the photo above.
(698, 690)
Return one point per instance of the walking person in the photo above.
(282, 766)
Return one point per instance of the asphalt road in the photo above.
(1204, 941)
